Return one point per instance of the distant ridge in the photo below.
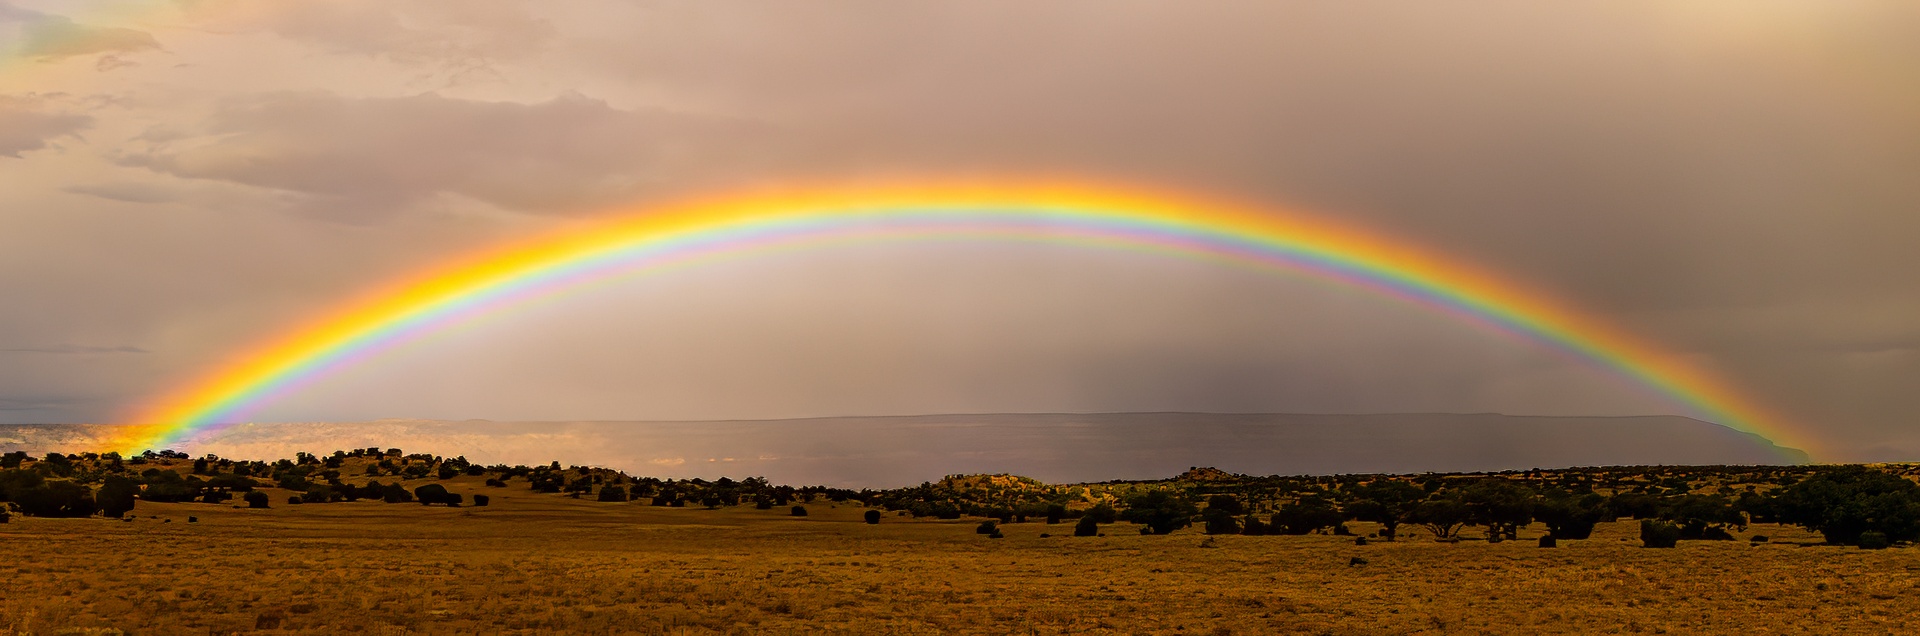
(888, 451)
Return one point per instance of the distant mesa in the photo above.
(1207, 474)
(893, 451)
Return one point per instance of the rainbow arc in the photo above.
(660, 237)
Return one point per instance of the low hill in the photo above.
(1052, 447)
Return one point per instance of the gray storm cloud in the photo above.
(1731, 181)
(354, 157)
(26, 124)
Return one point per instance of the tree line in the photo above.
(1847, 505)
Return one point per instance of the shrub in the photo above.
(319, 493)
(1055, 512)
(295, 499)
(1228, 503)
(1548, 541)
(15, 481)
(1658, 534)
(233, 482)
(987, 527)
(481, 500)
(395, 493)
(117, 495)
(1758, 538)
(1252, 526)
(1086, 527)
(256, 499)
(1568, 518)
(1220, 521)
(1160, 511)
(1305, 516)
(1873, 540)
(799, 511)
(56, 499)
(293, 481)
(1714, 533)
(435, 494)
(612, 493)
(873, 517)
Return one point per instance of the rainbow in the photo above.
(653, 238)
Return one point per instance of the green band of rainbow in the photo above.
(649, 239)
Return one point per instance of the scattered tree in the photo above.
(1442, 516)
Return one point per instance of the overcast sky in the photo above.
(1734, 181)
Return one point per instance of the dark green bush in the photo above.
(1305, 516)
(435, 494)
(1658, 534)
(1570, 518)
(1873, 540)
(1219, 521)
(1842, 503)
(873, 517)
(1086, 527)
(56, 499)
(1160, 511)
(117, 495)
(799, 511)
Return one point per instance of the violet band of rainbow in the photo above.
(652, 239)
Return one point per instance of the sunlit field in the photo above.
(536, 563)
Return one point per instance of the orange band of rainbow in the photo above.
(644, 239)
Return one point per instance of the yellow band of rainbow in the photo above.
(655, 237)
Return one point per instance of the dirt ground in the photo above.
(537, 563)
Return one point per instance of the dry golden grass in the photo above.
(534, 563)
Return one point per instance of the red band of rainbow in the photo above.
(652, 238)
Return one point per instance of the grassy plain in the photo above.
(543, 563)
